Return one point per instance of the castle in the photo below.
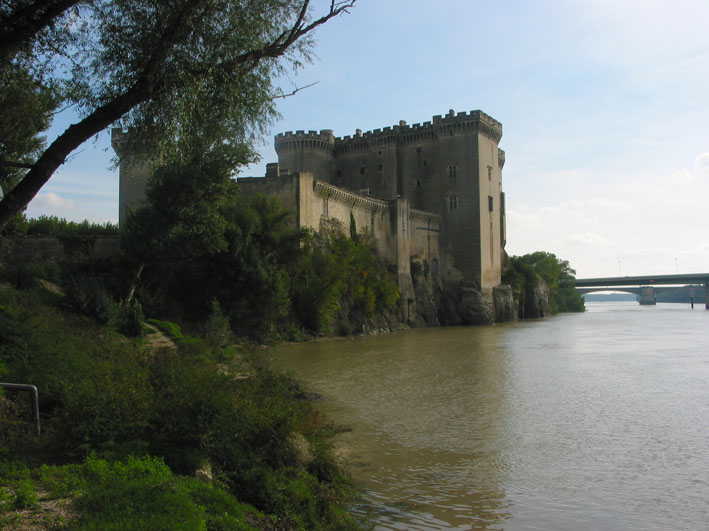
(430, 196)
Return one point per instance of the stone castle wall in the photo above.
(398, 231)
(451, 166)
(428, 194)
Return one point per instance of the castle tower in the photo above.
(451, 166)
(311, 151)
(133, 174)
(468, 165)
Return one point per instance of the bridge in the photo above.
(645, 286)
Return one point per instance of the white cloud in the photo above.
(50, 200)
(650, 223)
(95, 210)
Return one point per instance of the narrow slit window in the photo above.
(452, 172)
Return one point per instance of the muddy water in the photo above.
(587, 421)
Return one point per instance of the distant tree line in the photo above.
(55, 226)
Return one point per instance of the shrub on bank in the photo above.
(136, 493)
(106, 396)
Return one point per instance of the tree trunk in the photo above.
(61, 148)
(133, 284)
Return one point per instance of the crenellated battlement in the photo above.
(323, 139)
(451, 123)
(120, 142)
(462, 122)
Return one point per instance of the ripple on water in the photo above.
(587, 421)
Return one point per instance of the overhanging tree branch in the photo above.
(295, 91)
(280, 45)
(55, 155)
(10, 164)
(154, 80)
(21, 25)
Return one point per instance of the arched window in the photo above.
(452, 202)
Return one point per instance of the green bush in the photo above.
(87, 295)
(24, 495)
(143, 493)
(102, 395)
(171, 330)
(129, 318)
(216, 329)
(523, 274)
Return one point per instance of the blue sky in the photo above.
(603, 104)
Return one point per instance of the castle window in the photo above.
(418, 183)
(379, 152)
(361, 170)
(380, 167)
(339, 173)
(489, 203)
(489, 173)
(452, 202)
(452, 171)
(418, 150)
(425, 163)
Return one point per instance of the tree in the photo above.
(556, 273)
(23, 20)
(27, 104)
(175, 71)
(182, 219)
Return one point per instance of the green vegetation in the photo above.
(187, 75)
(54, 226)
(124, 427)
(201, 254)
(137, 493)
(525, 273)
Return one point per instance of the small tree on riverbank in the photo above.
(523, 274)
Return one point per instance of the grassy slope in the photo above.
(108, 403)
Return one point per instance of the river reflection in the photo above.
(587, 421)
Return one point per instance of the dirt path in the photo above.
(156, 339)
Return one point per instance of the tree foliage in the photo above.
(198, 242)
(27, 102)
(523, 274)
(188, 75)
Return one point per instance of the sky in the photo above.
(604, 106)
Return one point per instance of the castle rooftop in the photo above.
(462, 121)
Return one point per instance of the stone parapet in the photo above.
(425, 217)
(462, 122)
(351, 199)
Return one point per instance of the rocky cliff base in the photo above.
(436, 303)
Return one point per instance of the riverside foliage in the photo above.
(524, 274)
(108, 403)
(198, 241)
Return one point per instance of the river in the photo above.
(583, 421)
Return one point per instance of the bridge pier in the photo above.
(647, 296)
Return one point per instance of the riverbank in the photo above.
(122, 422)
